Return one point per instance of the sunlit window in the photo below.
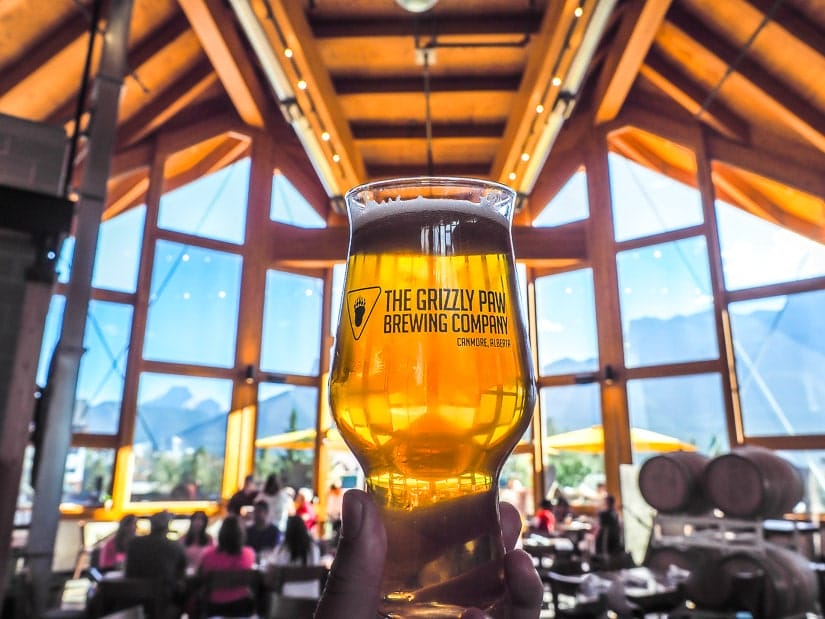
(568, 205)
(180, 435)
(647, 202)
(756, 252)
(338, 273)
(87, 479)
(566, 315)
(51, 333)
(193, 305)
(213, 206)
(285, 434)
(575, 467)
(516, 483)
(118, 251)
(290, 207)
(686, 410)
(666, 303)
(64, 260)
(811, 466)
(779, 344)
(291, 339)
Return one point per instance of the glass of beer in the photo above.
(432, 382)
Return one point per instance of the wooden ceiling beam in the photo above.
(376, 171)
(224, 153)
(199, 124)
(799, 115)
(628, 146)
(214, 24)
(640, 22)
(41, 51)
(136, 157)
(376, 131)
(126, 194)
(451, 83)
(447, 25)
(787, 18)
(687, 93)
(175, 97)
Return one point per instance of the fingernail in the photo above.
(352, 515)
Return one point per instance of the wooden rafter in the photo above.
(687, 93)
(639, 24)
(42, 50)
(370, 131)
(213, 23)
(631, 148)
(179, 94)
(452, 83)
(790, 108)
(318, 102)
(127, 193)
(446, 25)
(789, 20)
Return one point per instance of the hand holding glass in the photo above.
(432, 383)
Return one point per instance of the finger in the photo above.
(511, 525)
(526, 590)
(353, 586)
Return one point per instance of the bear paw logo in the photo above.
(360, 307)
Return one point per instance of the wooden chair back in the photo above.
(121, 593)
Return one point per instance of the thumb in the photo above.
(353, 586)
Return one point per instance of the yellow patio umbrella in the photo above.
(591, 440)
(300, 439)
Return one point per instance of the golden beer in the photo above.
(432, 384)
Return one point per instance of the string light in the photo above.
(539, 108)
(525, 156)
(325, 136)
(512, 176)
(302, 85)
(288, 52)
(336, 157)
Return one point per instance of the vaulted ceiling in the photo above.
(472, 87)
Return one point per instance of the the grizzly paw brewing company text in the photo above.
(479, 315)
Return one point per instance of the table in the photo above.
(652, 591)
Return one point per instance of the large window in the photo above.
(568, 205)
(666, 303)
(87, 479)
(566, 323)
(779, 343)
(212, 206)
(118, 251)
(290, 207)
(291, 339)
(193, 305)
(687, 408)
(180, 436)
(286, 432)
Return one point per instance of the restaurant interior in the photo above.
(173, 235)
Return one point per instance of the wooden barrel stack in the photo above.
(749, 483)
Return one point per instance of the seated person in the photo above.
(157, 557)
(113, 551)
(229, 554)
(544, 521)
(262, 535)
(243, 497)
(298, 548)
(196, 539)
(561, 510)
(609, 534)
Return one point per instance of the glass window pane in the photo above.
(687, 408)
(88, 476)
(283, 409)
(180, 436)
(64, 260)
(756, 252)
(195, 291)
(577, 475)
(779, 345)
(516, 483)
(568, 205)
(213, 206)
(102, 368)
(291, 339)
(118, 251)
(51, 333)
(647, 202)
(666, 303)
(338, 273)
(290, 207)
(566, 311)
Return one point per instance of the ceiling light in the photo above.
(539, 108)
(336, 157)
(578, 12)
(288, 52)
(525, 156)
(416, 6)
(325, 136)
(512, 176)
(302, 85)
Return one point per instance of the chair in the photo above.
(566, 591)
(287, 600)
(117, 594)
(230, 579)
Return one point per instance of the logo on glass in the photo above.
(360, 304)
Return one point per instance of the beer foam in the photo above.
(363, 214)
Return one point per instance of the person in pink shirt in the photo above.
(113, 552)
(229, 554)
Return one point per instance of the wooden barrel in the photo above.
(671, 483)
(752, 482)
(787, 586)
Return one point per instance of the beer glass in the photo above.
(432, 382)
